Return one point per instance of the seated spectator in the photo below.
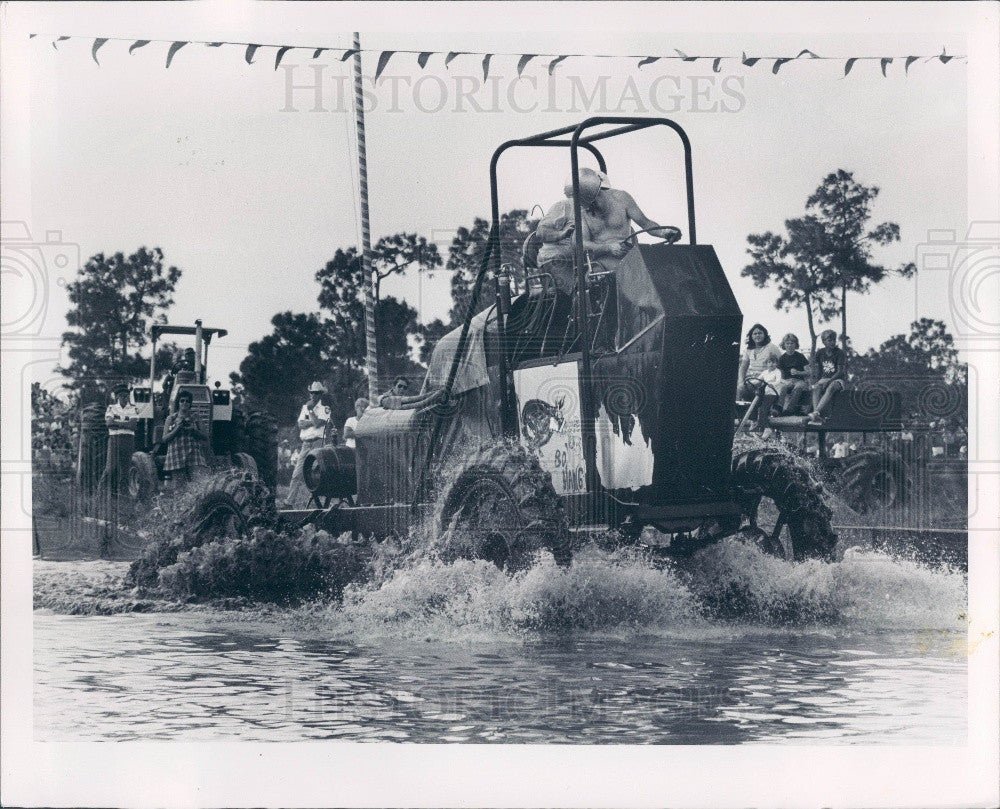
(754, 362)
(185, 442)
(771, 379)
(830, 363)
(794, 375)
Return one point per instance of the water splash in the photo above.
(867, 589)
(597, 591)
(730, 584)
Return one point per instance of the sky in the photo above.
(250, 190)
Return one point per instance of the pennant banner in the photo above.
(523, 59)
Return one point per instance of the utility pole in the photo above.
(371, 359)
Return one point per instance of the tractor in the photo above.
(545, 419)
(235, 438)
(893, 467)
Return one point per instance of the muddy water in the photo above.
(749, 648)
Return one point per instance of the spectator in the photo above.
(400, 386)
(794, 375)
(185, 442)
(771, 379)
(840, 449)
(120, 418)
(830, 363)
(313, 420)
(360, 406)
(754, 362)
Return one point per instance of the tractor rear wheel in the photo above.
(874, 478)
(142, 478)
(228, 505)
(782, 505)
(262, 445)
(502, 508)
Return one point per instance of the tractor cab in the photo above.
(211, 409)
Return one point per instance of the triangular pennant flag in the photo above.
(317, 52)
(281, 52)
(450, 56)
(648, 60)
(944, 57)
(251, 50)
(97, 46)
(805, 51)
(909, 61)
(777, 65)
(684, 56)
(214, 44)
(885, 61)
(383, 60)
(554, 62)
(57, 40)
(139, 43)
(716, 64)
(486, 66)
(422, 58)
(849, 64)
(32, 36)
(174, 47)
(751, 61)
(523, 61)
(346, 54)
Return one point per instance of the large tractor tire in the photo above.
(228, 505)
(502, 507)
(874, 478)
(783, 505)
(93, 450)
(262, 445)
(142, 478)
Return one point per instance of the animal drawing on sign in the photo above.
(541, 420)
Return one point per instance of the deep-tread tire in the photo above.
(228, 504)
(142, 477)
(537, 521)
(874, 478)
(262, 444)
(797, 497)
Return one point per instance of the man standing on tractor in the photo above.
(120, 418)
(313, 420)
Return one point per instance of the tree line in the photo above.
(820, 258)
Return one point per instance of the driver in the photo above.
(608, 219)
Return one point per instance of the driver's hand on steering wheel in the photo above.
(669, 234)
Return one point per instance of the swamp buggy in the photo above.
(547, 416)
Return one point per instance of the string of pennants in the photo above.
(524, 59)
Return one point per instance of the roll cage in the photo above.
(574, 138)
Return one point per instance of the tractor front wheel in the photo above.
(503, 508)
(782, 505)
(228, 505)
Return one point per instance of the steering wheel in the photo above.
(756, 381)
(669, 238)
